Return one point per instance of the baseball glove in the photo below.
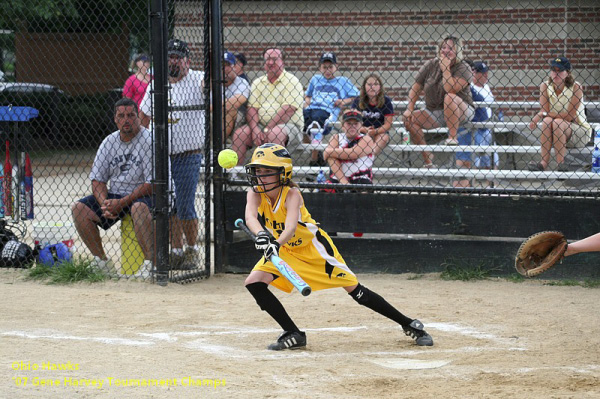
(540, 252)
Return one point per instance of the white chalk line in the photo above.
(468, 331)
(63, 337)
(586, 369)
(164, 336)
(212, 331)
(202, 342)
(405, 359)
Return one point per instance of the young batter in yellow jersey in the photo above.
(288, 230)
(310, 250)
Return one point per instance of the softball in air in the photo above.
(228, 159)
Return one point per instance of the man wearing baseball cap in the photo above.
(237, 92)
(325, 96)
(186, 144)
(350, 154)
(480, 67)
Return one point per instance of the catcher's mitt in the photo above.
(540, 252)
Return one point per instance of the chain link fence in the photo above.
(469, 128)
(68, 64)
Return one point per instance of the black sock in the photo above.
(270, 304)
(372, 300)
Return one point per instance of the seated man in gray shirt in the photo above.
(125, 160)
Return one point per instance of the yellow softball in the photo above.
(227, 159)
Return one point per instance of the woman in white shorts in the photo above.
(562, 116)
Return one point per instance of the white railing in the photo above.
(487, 149)
(500, 126)
(499, 104)
(483, 174)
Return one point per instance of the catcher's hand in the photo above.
(540, 252)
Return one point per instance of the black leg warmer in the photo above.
(270, 304)
(373, 301)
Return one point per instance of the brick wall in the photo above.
(394, 38)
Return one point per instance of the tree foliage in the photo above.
(14, 13)
(77, 16)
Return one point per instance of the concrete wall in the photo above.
(393, 38)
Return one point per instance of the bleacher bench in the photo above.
(485, 174)
(497, 127)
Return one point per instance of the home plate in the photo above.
(410, 364)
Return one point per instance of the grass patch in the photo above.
(416, 277)
(588, 283)
(40, 272)
(591, 283)
(515, 278)
(563, 283)
(465, 271)
(74, 271)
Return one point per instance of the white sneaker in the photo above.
(145, 270)
(190, 259)
(176, 260)
(102, 265)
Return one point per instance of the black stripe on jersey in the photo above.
(328, 269)
(325, 243)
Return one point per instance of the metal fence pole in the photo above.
(159, 26)
(217, 128)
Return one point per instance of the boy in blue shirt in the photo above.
(480, 90)
(326, 95)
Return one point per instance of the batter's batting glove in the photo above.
(262, 240)
(272, 249)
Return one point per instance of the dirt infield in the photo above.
(493, 339)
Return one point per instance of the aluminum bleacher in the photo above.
(519, 145)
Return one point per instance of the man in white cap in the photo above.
(186, 145)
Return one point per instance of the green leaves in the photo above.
(74, 271)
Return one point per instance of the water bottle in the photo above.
(596, 160)
(321, 177)
(316, 133)
(1, 192)
(596, 145)
(328, 122)
(500, 116)
(317, 137)
(405, 137)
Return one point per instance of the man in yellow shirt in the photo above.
(274, 108)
